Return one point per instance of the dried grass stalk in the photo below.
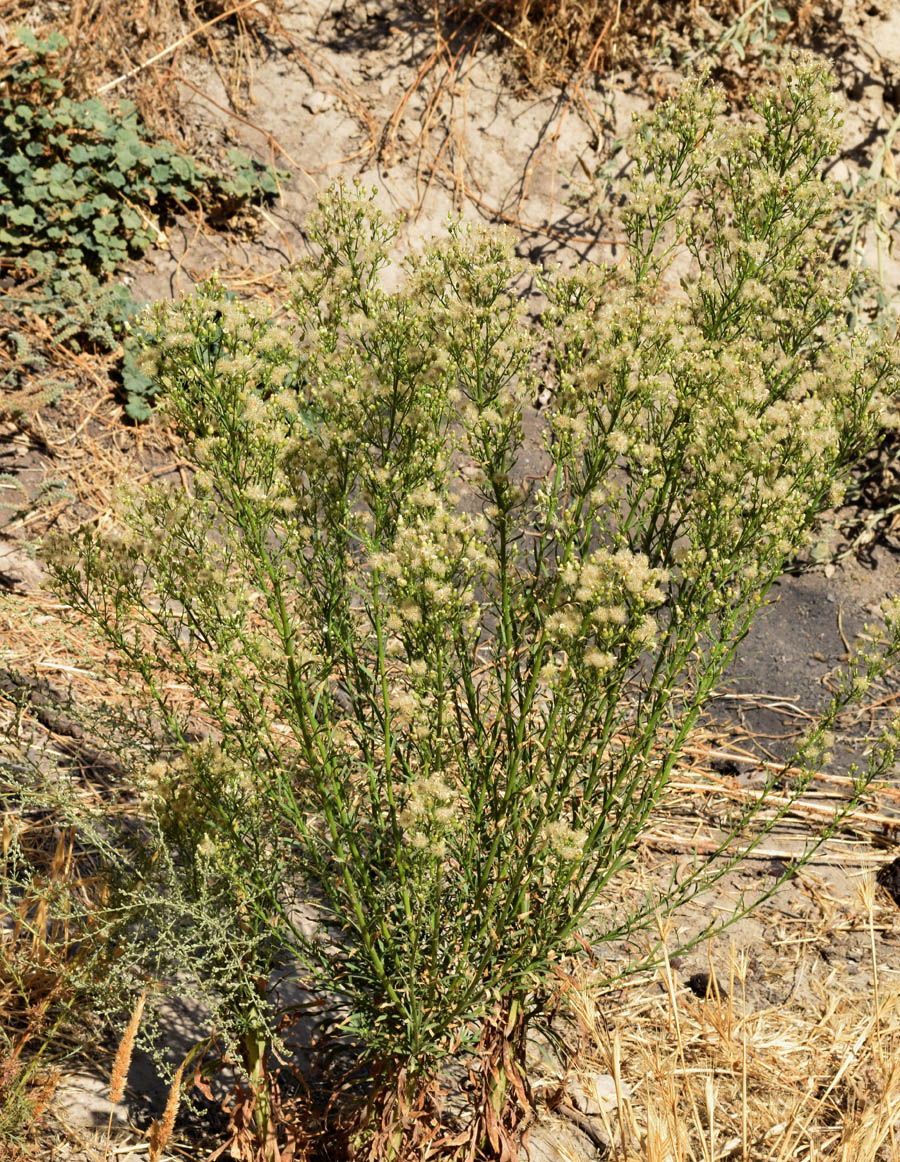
(161, 1130)
(123, 1053)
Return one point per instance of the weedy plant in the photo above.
(440, 699)
(85, 182)
(84, 187)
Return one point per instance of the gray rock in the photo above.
(317, 101)
(595, 1095)
(557, 1140)
(18, 571)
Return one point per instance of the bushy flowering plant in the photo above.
(442, 698)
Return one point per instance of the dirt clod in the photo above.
(702, 984)
(889, 878)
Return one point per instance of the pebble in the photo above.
(317, 101)
(18, 571)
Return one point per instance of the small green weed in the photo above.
(84, 188)
(85, 182)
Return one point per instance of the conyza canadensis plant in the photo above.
(442, 697)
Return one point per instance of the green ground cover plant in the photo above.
(86, 182)
(84, 188)
(406, 711)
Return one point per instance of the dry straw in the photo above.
(124, 1052)
(723, 1078)
(161, 1130)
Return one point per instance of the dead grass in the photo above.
(115, 48)
(718, 1078)
(39, 962)
(550, 38)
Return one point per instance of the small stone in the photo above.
(778, 867)
(702, 985)
(595, 1095)
(317, 101)
(18, 571)
(889, 878)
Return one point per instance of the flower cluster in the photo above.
(565, 843)
(432, 570)
(610, 599)
(432, 809)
